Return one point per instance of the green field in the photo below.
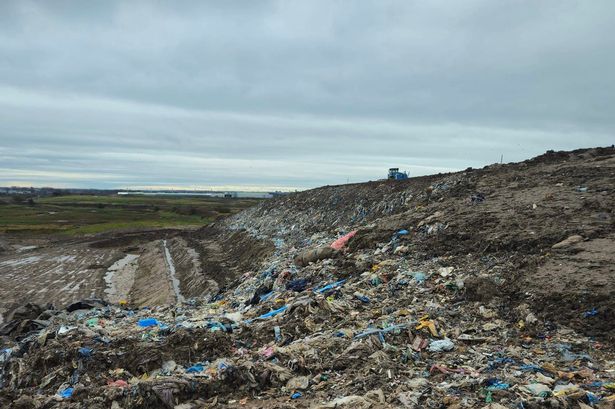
(77, 215)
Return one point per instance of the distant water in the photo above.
(258, 195)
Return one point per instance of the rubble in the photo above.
(444, 323)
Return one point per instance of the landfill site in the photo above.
(485, 288)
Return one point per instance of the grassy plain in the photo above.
(74, 215)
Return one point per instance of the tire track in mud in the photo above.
(171, 272)
(187, 260)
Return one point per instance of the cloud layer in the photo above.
(295, 94)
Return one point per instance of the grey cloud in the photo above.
(295, 93)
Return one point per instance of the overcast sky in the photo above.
(284, 94)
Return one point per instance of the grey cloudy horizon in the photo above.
(295, 94)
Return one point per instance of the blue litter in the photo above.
(277, 333)
(268, 315)
(102, 340)
(402, 232)
(147, 322)
(195, 369)
(496, 384)
(297, 285)
(66, 393)
(592, 398)
(531, 368)
(265, 297)
(273, 313)
(362, 298)
(296, 395)
(419, 277)
(217, 326)
(591, 313)
(85, 352)
(329, 286)
(5, 355)
(502, 361)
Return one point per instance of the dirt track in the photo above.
(61, 272)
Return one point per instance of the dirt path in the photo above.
(120, 278)
(152, 285)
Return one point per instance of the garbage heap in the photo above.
(399, 334)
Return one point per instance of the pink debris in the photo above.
(419, 343)
(267, 352)
(342, 241)
(120, 383)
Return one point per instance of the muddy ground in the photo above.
(137, 268)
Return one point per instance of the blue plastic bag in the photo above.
(147, 322)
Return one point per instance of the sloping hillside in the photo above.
(504, 236)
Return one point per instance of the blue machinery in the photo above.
(395, 174)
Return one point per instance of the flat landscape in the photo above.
(74, 215)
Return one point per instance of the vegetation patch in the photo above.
(88, 214)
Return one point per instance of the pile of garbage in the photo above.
(399, 334)
(368, 313)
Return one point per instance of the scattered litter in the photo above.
(441, 345)
(195, 369)
(591, 313)
(409, 299)
(148, 322)
(342, 241)
(66, 393)
(85, 352)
